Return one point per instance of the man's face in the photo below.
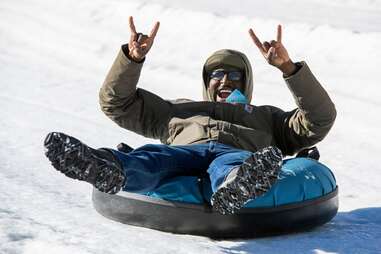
(223, 82)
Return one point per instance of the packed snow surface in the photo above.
(54, 56)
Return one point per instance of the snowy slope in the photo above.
(54, 56)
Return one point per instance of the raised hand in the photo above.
(140, 44)
(274, 52)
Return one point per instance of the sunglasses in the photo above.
(232, 75)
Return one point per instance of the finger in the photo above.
(139, 53)
(135, 44)
(267, 46)
(142, 38)
(279, 34)
(257, 41)
(275, 44)
(133, 39)
(134, 35)
(270, 55)
(145, 48)
(145, 43)
(132, 25)
(154, 30)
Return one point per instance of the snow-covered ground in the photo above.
(54, 56)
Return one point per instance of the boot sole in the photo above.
(253, 179)
(78, 161)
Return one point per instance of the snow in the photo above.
(54, 56)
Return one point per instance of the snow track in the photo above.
(54, 56)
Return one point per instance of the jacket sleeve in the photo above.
(134, 109)
(311, 121)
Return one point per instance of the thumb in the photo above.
(270, 55)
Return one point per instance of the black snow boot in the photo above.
(78, 161)
(248, 181)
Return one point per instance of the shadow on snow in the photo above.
(356, 231)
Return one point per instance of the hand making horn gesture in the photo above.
(274, 52)
(140, 44)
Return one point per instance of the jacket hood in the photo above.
(228, 58)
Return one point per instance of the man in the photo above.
(238, 144)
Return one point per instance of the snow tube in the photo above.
(305, 196)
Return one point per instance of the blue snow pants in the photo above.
(147, 166)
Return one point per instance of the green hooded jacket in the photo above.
(242, 126)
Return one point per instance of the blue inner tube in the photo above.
(305, 196)
(300, 179)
